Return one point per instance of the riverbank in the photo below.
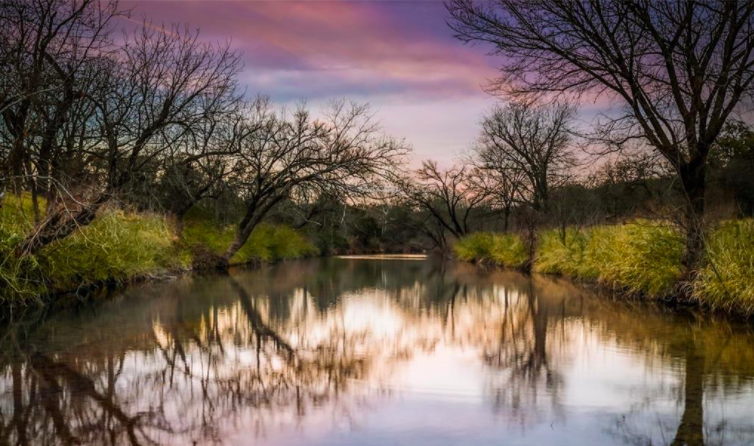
(640, 258)
(122, 247)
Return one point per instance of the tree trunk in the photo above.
(242, 235)
(693, 179)
(531, 220)
(35, 202)
(178, 224)
(238, 241)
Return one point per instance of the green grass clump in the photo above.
(474, 247)
(19, 278)
(641, 257)
(500, 249)
(566, 256)
(116, 246)
(17, 215)
(280, 242)
(121, 246)
(727, 280)
(267, 243)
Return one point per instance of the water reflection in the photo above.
(344, 351)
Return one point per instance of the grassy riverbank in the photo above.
(639, 258)
(121, 247)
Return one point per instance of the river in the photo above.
(363, 351)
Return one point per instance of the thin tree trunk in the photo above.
(178, 225)
(693, 178)
(35, 202)
(254, 215)
(242, 235)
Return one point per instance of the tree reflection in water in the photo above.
(208, 359)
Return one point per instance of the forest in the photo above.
(136, 152)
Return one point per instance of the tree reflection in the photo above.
(691, 429)
(204, 358)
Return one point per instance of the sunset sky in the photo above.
(400, 56)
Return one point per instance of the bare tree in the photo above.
(678, 68)
(533, 142)
(46, 50)
(501, 183)
(200, 165)
(298, 157)
(160, 86)
(447, 196)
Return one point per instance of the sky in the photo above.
(399, 56)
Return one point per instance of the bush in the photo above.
(727, 280)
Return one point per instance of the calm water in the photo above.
(374, 352)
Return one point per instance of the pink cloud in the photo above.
(384, 43)
(398, 55)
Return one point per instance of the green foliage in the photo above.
(727, 280)
(116, 246)
(17, 215)
(20, 278)
(121, 246)
(474, 247)
(267, 243)
(640, 257)
(500, 249)
(566, 254)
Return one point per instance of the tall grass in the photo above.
(641, 257)
(121, 246)
(727, 280)
(19, 278)
(118, 246)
